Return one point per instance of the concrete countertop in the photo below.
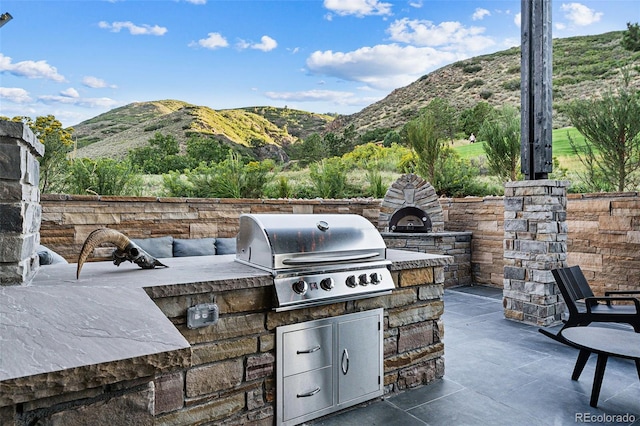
(58, 323)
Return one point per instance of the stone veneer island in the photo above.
(113, 347)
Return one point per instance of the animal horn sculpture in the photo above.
(126, 250)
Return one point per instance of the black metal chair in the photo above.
(585, 308)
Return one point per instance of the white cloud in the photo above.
(382, 66)
(77, 101)
(416, 4)
(70, 93)
(359, 8)
(30, 69)
(311, 96)
(266, 44)
(213, 41)
(15, 95)
(451, 35)
(96, 83)
(517, 19)
(196, 1)
(560, 26)
(580, 14)
(134, 29)
(480, 14)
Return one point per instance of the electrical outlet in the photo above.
(202, 315)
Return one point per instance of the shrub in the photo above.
(512, 84)
(486, 94)
(471, 68)
(329, 177)
(104, 176)
(473, 83)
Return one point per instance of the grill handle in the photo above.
(306, 260)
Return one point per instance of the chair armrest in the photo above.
(589, 301)
(609, 293)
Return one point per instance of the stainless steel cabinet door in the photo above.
(359, 358)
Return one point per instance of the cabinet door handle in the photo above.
(308, 351)
(313, 392)
(345, 361)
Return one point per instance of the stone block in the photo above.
(513, 225)
(10, 162)
(514, 273)
(430, 292)
(206, 413)
(255, 399)
(129, 408)
(412, 277)
(267, 342)
(415, 336)
(260, 366)
(214, 378)
(169, 392)
(12, 218)
(430, 311)
(222, 350)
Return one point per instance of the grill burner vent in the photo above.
(410, 219)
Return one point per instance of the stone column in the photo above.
(20, 210)
(535, 241)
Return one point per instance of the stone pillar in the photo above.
(535, 241)
(20, 210)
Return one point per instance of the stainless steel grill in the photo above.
(315, 259)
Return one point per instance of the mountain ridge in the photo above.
(583, 66)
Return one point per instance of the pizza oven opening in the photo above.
(410, 219)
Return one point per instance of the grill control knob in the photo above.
(364, 279)
(351, 281)
(376, 277)
(326, 284)
(300, 287)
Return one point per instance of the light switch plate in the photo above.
(202, 315)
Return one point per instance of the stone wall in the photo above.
(455, 244)
(20, 211)
(603, 229)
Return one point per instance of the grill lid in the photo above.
(291, 241)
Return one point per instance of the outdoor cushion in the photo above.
(48, 256)
(158, 247)
(194, 247)
(226, 245)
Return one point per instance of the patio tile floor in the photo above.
(500, 372)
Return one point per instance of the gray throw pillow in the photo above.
(48, 256)
(225, 245)
(158, 247)
(194, 247)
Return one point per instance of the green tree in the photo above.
(160, 156)
(307, 151)
(445, 116)
(631, 37)
(611, 128)
(471, 119)
(58, 143)
(200, 148)
(424, 137)
(501, 136)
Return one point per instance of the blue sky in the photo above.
(78, 59)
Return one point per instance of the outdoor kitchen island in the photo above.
(97, 350)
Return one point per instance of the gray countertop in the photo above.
(59, 323)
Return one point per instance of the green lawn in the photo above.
(560, 147)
